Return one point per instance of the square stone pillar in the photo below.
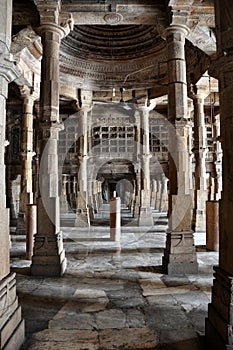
(219, 323)
(11, 323)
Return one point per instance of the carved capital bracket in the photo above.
(179, 11)
(52, 17)
(28, 92)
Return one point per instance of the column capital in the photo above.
(177, 28)
(179, 11)
(197, 91)
(8, 73)
(53, 19)
(27, 92)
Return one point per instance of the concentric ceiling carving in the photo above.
(107, 56)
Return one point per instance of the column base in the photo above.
(199, 224)
(82, 218)
(48, 256)
(21, 224)
(11, 322)
(145, 217)
(180, 254)
(219, 323)
(115, 234)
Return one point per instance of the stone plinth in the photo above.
(145, 213)
(180, 253)
(219, 322)
(50, 256)
(11, 323)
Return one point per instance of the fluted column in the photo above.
(26, 191)
(11, 323)
(219, 323)
(199, 150)
(145, 213)
(48, 255)
(179, 256)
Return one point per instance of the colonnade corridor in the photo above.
(114, 295)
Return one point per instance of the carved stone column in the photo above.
(26, 192)
(153, 194)
(180, 255)
(82, 212)
(158, 193)
(145, 213)
(199, 150)
(219, 323)
(11, 323)
(217, 159)
(163, 205)
(49, 256)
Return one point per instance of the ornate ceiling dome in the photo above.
(103, 57)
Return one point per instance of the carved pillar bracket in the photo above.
(49, 256)
(180, 255)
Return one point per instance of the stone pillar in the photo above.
(30, 229)
(11, 323)
(82, 212)
(48, 255)
(219, 323)
(163, 205)
(153, 194)
(26, 191)
(199, 150)
(158, 194)
(217, 159)
(145, 213)
(64, 205)
(179, 255)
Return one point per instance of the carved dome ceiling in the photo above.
(117, 43)
(112, 56)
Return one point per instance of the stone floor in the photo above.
(114, 296)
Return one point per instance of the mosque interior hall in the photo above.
(116, 198)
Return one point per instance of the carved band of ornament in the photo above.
(116, 121)
(113, 18)
(108, 67)
(146, 155)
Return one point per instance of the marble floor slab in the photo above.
(114, 296)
